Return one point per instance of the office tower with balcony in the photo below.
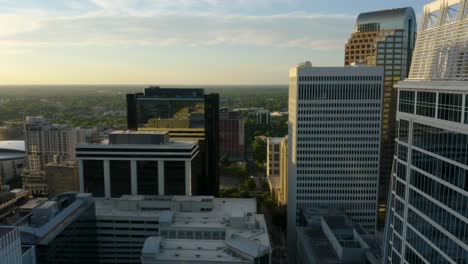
(187, 114)
(385, 38)
(334, 141)
(427, 216)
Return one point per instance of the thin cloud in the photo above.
(106, 29)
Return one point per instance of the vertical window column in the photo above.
(188, 177)
(133, 177)
(161, 177)
(81, 175)
(107, 183)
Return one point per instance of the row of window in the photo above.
(433, 234)
(347, 105)
(340, 146)
(453, 224)
(340, 165)
(444, 106)
(329, 125)
(338, 184)
(335, 191)
(328, 118)
(337, 152)
(352, 209)
(337, 198)
(347, 91)
(423, 248)
(443, 170)
(338, 78)
(338, 111)
(442, 142)
(354, 178)
(338, 158)
(206, 235)
(338, 132)
(447, 196)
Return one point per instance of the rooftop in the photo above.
(12, 145)
(179, 144)
(330, 237)
(275, 140)
(388, 19)
(130, 205)
(216, 251)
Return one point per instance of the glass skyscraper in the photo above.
(427, 216)
(385, 38)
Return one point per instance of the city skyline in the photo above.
(128, 42)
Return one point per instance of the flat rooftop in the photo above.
(185, 250)
(221, 206)
(179, 144)
(320, 248)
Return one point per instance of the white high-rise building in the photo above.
(334, 141)
(427, 216)
(45, 143)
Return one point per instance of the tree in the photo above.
(251, 184)
(259, 150)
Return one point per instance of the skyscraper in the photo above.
(385, 38)
(427, 220)
(185, 114)
(334, 141)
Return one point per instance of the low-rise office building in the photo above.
(77, 228)
(62, 230)
(137, 162)
(330, 237)
(123, 226)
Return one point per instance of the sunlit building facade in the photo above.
(427, 216)
(334, 142)
(385, 38)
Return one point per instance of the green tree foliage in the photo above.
(259, 150)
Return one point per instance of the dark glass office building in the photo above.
(185, 114)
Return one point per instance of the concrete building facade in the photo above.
(283, 192)
(334, 141)
(179, 229)
(273, 169)
(46, 143)
(62, 177)
(145, 163)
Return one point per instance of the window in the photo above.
(449, 107)
(425, 104)
(406, 102)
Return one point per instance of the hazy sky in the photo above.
(173, 41)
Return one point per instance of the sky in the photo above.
(190, 42)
